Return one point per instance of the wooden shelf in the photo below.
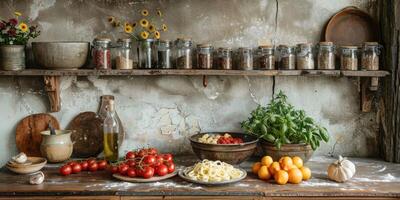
(192, 72)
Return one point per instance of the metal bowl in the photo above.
(230, 153)
(60, 55)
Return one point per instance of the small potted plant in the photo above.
(285, 131)
(14, 35)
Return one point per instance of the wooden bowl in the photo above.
(304, 151)
(230, 153)
(37, 164)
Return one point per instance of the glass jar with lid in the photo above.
(370, 56)
(245, 58)
(287, 57)
(184, 53)
(164, 54)
(326, 55)
(205, 56)
(348, 58)
(266, 57)
(147, 53)
(224, 58)
(124, 57)
(102, 53)
(305, 56)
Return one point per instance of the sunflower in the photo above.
(144, 22)
(145, 12)
(18, 14)
(144, 34)
(111, 19)
(164, 27)
(151, 28)
(159, 13)
(128, 28)
(23, 27)
(157, 35)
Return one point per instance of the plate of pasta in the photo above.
(212, 173)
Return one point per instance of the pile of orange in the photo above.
(286, 170)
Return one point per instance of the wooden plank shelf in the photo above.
(193, 72)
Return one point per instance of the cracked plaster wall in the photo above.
(164, 111)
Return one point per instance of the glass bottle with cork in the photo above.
(111, 128)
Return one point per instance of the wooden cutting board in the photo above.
(87, 135)
(28, 137)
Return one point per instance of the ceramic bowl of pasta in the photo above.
(232, 148)
(209, 172)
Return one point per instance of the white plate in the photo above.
(183, 174)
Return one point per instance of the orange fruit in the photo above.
(306, 173)
(286, 163)
(266, 161)
(297, 161)
(281, 177)
(295, 176)
(263, 173)
(256, 167)
(274, 167)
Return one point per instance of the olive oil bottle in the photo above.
(111, 130)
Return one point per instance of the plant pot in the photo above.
(304, 151)
(56, 148)
(12, 57)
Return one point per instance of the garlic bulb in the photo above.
(37, 179)
(20, 158)
(341, 170)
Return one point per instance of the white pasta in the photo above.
(212, 139)
(214, 171)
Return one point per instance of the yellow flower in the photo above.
(145, 12)
(164, 27)
(144, 34)
(157, 35)
(151, 28)
(159, 13)
(23, 27)
(18, 14)
(111, 19)
(144, 23)
(128, 28)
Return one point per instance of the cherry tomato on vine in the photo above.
(161, 170)
(130, 155)
(102, 164)
(131, 172)
(167, 157)
(76, 168)
(150, 160)
(148, 172)
(171, 167)
(123, 168)
(66, 170)
(93, 167)
(84, 165)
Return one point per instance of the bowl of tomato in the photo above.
(229, 147)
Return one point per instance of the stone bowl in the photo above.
(230, 153)
(304, 151)
(60, 55)
(37, 164)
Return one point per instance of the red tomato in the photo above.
(113, 169)
(76, 168)
(162, 170)
(148, 172)
(131, 163)
(139, 172)
(131, 172)
(152, 151)
(150, 160)
(130, 155)
(84, 165)
(122, 168)
(167, 157)
(142, 152)
(159, 161)
(171, 167)
(91, 161)
(102, 164)
(66, 170)
(93, 167)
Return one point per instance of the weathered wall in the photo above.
(164, 111)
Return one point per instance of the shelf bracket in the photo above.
(368, 87)
(205, 81)
(52, 87)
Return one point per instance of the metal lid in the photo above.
(266, 47)
(349, 47)
(125, 40)
(102, 40)
(371, 44)
(185, 39)
(325, 44)
(305, 45)
(204, 46)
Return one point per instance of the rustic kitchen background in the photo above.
(164, 111)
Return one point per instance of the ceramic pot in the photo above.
(304, 151)
(12, 57)
(56, 148)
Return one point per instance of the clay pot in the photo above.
(12, 57)
(304, 151)
(58, 147)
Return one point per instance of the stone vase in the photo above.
(12, 57)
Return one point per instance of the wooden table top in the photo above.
(373, 179)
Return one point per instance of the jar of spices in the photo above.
(326, 55)
(164, 54)
(225, 58)
(147, 54)
(287, 57)
(266, 57)
(348, 58)
(102, 53)
(124, 58)
(305, 56)
(370, 56)
(245, 58)
(205, 56)
(184, 53)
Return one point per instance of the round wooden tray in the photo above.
(143, 180)
(182, 173)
